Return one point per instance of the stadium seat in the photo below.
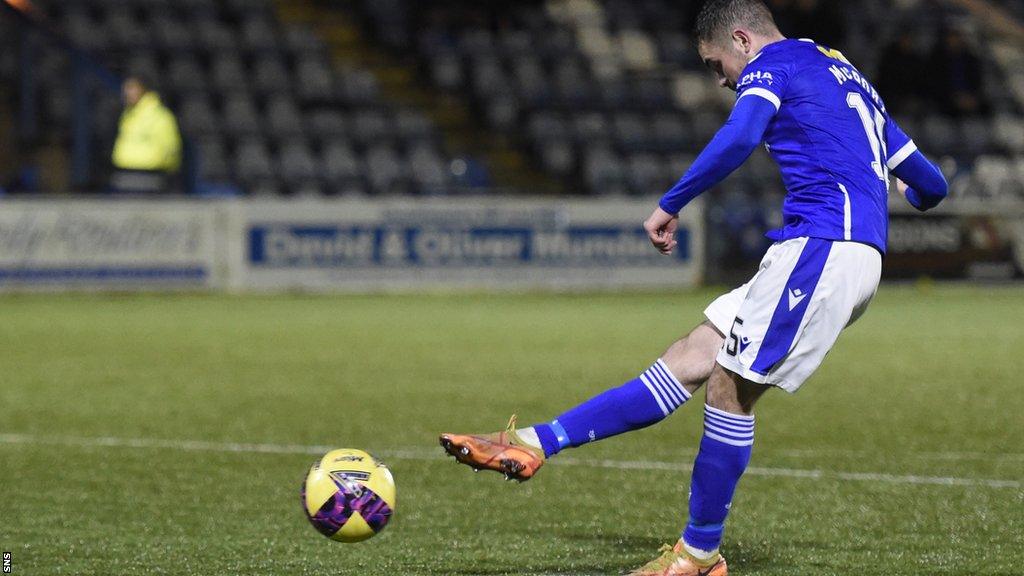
(358, 87)
(314, 82)
(386, 171)
(639, 51)
(213, 160)
(631, 131)
(515, 43)
(558, 157)
(940, 134)
(283, 117)
(489, 78)
(646, 176)
(975, 136)
(1008, 131)
(301, 42)
(258, 34)
(531, 84)
(670, 132)
(327, 125)
(547, 126)
(185, 74)
(589, 127)
(171, 33)
(126, 31)
(87, 32)
(343, 170)
(503, 112)
(412, 126)
(228, 73)
(297, 165)
(197, 117)
(270, 76)
(604, 172)
(446, 72)
(240, 115)
(371, 126)
(428, 171)
(241, 8)
(253, 163)
(213, 36)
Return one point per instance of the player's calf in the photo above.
(518, 454)
(651, 397)
(723, 457)
(640, 402)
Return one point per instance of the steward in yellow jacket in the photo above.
(148, 139)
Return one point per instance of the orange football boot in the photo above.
(676, 562)
(503, 452)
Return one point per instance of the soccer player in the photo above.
(835, 144)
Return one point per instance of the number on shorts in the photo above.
(734, 341)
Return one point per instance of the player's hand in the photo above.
(901, 187)
(661, 230)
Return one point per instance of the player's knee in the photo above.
(692, 358)
(732, 393)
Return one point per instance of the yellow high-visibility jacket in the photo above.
(148, 137)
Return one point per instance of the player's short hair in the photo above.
(717, 17)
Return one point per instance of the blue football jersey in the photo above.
(832, 138)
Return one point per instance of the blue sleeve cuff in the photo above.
(668, 208)
(926, 186)
(923, 203)
(913, 198)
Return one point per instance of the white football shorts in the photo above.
(779, 326)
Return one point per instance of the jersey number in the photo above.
(874, 126)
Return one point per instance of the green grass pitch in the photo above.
(169, 435)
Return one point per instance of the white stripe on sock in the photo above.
(663, 369)
(657, 398)
(729, 441)
(729, 416)
(728, 425)
(670, 394)
(726, 431)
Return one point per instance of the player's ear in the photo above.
(741, 40)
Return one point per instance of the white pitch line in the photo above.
(992, 457)
(432, 455)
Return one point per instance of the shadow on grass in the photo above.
(627, 546)
(561, 569)
(628, 553)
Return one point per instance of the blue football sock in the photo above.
(723, 456)
(636, 404)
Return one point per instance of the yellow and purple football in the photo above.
(348, 495)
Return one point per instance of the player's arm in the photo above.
(726, 152)
(920, 180)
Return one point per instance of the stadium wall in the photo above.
(344, 245)
(963, 240)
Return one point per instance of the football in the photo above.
(348, 495)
